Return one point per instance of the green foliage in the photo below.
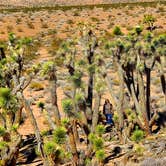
(67, 106)
(91, 137)
(100, 155)
(5, 93)
(92, 68)
(7, 101)
(50, 148)
(79, 97)
(98, 143)
(65, 122)
(117, 31)
(3, 145)
(15, 127)
(40, 104)
(59, 135)
(115, 117)
(87, 161)
(76, 79)
(138, 29)
(100, 129)
(149, 19)
(139, 149)
(47, 67)
(137, 135)
(148, 37)
(2, 131)
(45, 132)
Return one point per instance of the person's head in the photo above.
(107, 101)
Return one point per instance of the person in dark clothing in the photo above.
(108, 112)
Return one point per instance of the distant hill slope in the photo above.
(63, 2)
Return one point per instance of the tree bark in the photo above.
(143, 103)
(35, 127)
(95, 116)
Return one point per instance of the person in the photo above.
(107, 111)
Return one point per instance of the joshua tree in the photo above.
(13, 85)
(135, 56)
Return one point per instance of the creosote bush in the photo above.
(117, 31)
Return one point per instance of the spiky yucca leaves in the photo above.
(9, 105)
(59, 135)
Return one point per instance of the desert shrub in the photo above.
(94, 19)
(149, 19)
(10, 28)
(137, 135)
(20, 29)
(59, 135)
(70, 22)
(138, 29)
(18, 20)
(117, 31)
(40, 104)
(44, 25)
(30, 25)
(76, 13)
(36, 86)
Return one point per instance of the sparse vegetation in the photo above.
(54, 83)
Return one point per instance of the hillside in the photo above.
(63, 2)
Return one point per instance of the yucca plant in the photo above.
(59, 135)
(100, 155)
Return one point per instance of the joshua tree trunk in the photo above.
(35, 127)
(109, 85)
(95, 116)
(18, 116)
(143, 103)
(148, 75)
(9, 159)
(121, 98)
(162, 76)
(54, 101)
(90, 91)
(75, 131)
(50, 121)
(73, 145)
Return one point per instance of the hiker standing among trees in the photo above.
(108, 112)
